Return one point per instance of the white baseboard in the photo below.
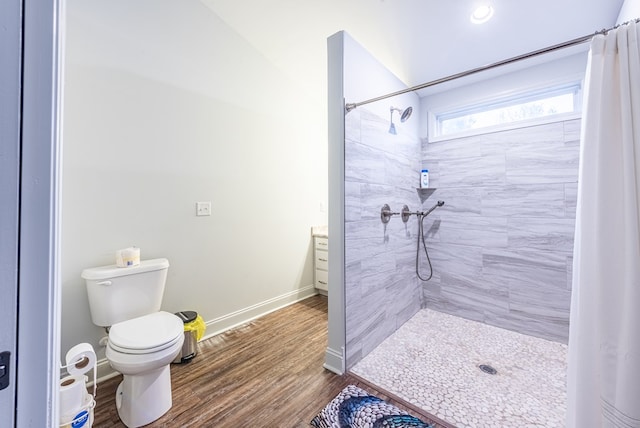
(105, 371)
(227, 322)
(243, 316)
(334, 361)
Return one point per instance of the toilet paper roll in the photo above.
(73, 396)
(80, 359)
(128, 257)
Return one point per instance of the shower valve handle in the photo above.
(386, 213)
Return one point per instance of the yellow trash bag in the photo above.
(196, 325)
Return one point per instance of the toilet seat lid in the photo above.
(146, 333)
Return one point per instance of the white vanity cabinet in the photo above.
(321, 262)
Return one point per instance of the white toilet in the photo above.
(143, 340)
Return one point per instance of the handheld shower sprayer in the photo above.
(437, 205)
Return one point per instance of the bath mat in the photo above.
(355, 408)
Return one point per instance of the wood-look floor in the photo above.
(267, 373)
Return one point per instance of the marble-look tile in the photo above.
(352, 201)
(531, 195)
(376, 230)
(353, 282)
(569, 272)
(364, 164)
(457, 200)
(471, 171)
(431, 228)
(364, 315)
(539, 163)
(570, 199)
(533, 326)
(357, 249)
(451, 149)
(540, 270)
(371, 318)
(541, 233)
(374, 337)
(471, 230)
(365, 250)
(502, 206)
(381, 291)
(445, 305)
(404, 310)
(353, 353)
(549, 304)
(463, 260)
(401, 310)
(392, 272)
(374, 133)
(572, 130)
(374, 196)
(352, 126)
(401, 172)
(525, 200)
(463, 295)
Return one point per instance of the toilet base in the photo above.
(143, 398)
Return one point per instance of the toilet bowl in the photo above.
(143, 341)
(142, 349)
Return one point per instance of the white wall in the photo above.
(630, 10)
(165, 105)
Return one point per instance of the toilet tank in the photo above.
(118, 294)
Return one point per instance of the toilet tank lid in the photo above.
(113, 271)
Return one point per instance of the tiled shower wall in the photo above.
(381, 291)
(501, 246)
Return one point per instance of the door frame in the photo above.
(38, 321)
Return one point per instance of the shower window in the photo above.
(547, 104)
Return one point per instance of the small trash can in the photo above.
(193, 331)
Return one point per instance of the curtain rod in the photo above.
(574, 42)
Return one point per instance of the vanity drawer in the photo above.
(322, 280)
(321, 243)
(322, 259)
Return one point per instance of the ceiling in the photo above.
(418, 40)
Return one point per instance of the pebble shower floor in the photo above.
(433, 362)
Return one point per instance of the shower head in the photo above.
(440, 203)
(404, 115)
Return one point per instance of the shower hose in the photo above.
(422, 216)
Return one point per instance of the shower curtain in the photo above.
(603, 383)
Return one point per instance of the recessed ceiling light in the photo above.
(482, 14)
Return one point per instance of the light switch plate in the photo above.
(203, 208)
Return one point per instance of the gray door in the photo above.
(10, 93)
